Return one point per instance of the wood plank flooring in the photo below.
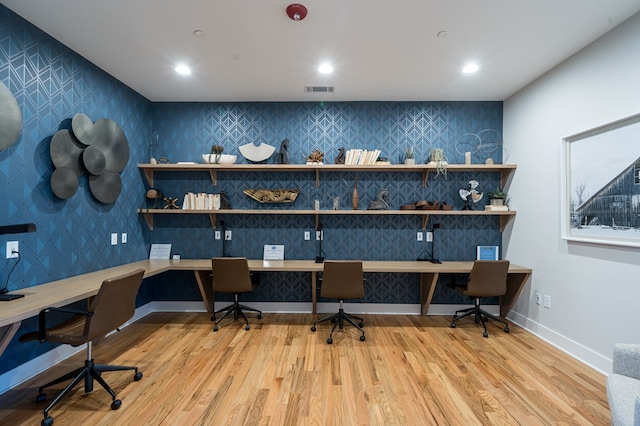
(411, 370)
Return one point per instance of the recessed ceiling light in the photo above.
(199, 33)
(470, 68)
(183, 69)
(325, 69)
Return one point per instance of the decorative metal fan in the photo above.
(470, 195)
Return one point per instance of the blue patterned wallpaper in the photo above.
(187, 130)
(52, 83)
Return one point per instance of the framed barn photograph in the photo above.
(601, 184)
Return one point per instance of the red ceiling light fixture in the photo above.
(296, 12)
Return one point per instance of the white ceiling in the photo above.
(381, 49)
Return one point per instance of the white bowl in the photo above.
(224, 158)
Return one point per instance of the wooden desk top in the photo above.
(69, 290)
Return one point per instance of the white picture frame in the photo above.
(601, 184)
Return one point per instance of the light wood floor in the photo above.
(411, 370)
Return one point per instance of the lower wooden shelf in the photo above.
(505, 216)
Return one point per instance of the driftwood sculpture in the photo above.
(273, 195)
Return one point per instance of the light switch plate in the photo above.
(114, 239)
(307, 235)
(217, 235)
(123, 237)
(419, 236)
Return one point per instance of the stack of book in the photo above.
(361, 157)
(201, 201)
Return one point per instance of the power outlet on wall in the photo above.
(12, 249)
(547, 301)
(538, 299)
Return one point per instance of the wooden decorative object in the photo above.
(170, 203)
(354, 198)
(316, 156)
(273, 195)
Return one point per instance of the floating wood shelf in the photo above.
(505, 216)
(505, 170)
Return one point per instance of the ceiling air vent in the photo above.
(318, 89)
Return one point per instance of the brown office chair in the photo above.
(342, 280)
(487, 278)
(114, 305)
(231, 275)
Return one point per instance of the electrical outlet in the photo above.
(538, 299)
(227, 235)
(547, 301)
(114, 239)
(307, 235)
(12, 249)
(429, 236)
(419, 236)
(319, 235)
(123, 237)
(217, 235)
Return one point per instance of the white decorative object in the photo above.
(257, 153)
(224, 158)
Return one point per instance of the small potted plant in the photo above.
(216, 151)
(409, 156)
(497, 197)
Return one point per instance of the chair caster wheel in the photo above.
(259, 316)
(48, 421)
(485, 334)
(313, 328)
(213, 318)
(506, 329)
(137, 377)
(42, 397)
(453, 325)
(361, 324)
(116, 404)
(246, 327)
(215, 328)
(329, 341)
(362, 338)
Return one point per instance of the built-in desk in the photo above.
(69, 290)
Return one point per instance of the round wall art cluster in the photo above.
(101, 149)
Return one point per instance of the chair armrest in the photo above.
(42, 320)
(626, 360)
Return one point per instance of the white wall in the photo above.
(594, 289)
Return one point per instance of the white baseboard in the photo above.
(570, 347)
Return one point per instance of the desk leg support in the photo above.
(314, 293)
(6, 334)
(428, 283)
(515, 284)
(205, 284)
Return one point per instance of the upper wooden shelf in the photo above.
(505, 216)
(505, 170)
